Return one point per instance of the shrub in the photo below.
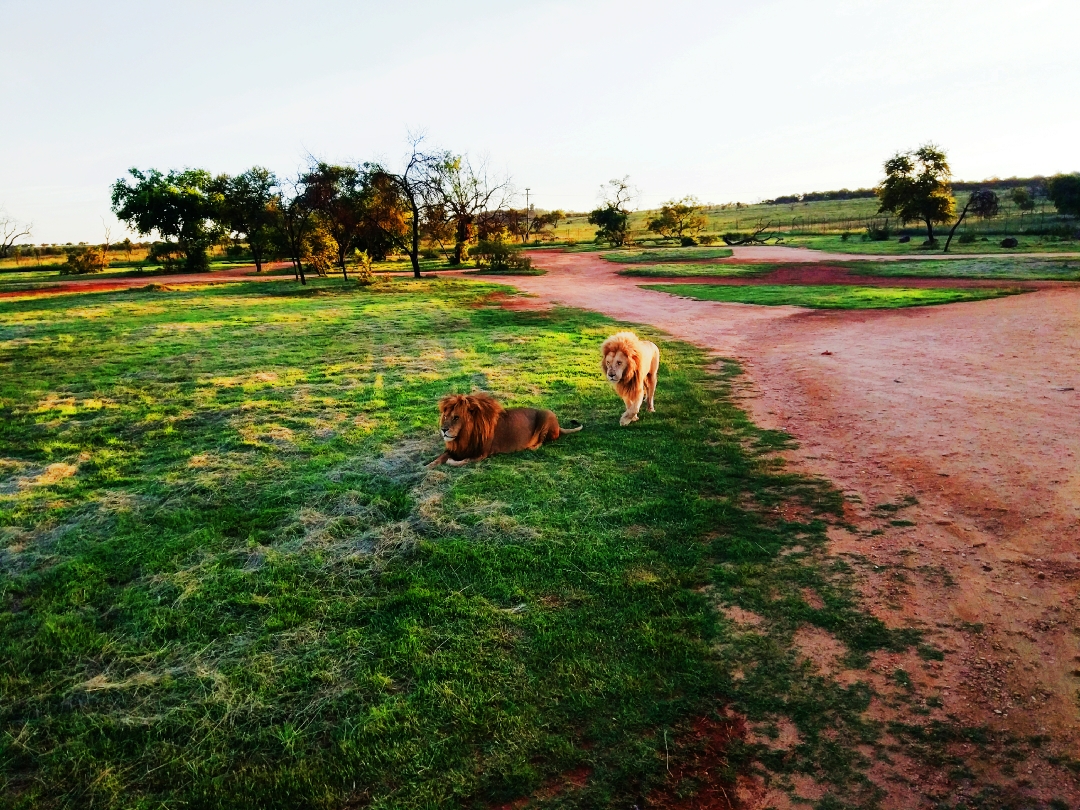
(83, 259)
(845, 236)
(687, 241)
(365, 267)
(429, 253)
(966, 239)
(876, 234)
(495, 254)
(706, 239)
(167, 254)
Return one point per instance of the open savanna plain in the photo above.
(227, 579)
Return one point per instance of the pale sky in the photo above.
(723, 100)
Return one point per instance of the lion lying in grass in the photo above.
(631, 364)
(475, 426)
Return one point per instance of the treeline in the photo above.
(328, 215)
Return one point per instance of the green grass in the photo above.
(989, 268)
(227, 581)
(530, 271)
(827, 296)
(834, 244)
(698, 270)
(667, 254)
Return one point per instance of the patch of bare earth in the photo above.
(953, 432)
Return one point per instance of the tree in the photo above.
(11, 230)
(415, 185)
(180, 206)
(917, 188)
(336, 194)
(1064, 191)
(679, 218)
(982, 203)
(461, 194)
(293, 221)
(385, 225)
(612, 218)
(245, 208)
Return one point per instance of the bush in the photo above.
(966, 239)
(167, 254)
(876, 234)
(495, 254)
(364, 272)
(429, 253)
(687, 241)
(84, 259)
(706, 239)
(845, 236)
(235, 252)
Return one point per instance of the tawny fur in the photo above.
(475, 426)
(631, 365)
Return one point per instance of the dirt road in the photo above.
(84, 285)
(971, 409)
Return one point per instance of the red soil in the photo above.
(243, 273)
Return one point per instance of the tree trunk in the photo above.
(929, 231)
(414, 253)
(461, 236)
(956, 225)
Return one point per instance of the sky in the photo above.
(723, 100)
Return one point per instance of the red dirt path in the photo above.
(973, 409)
(243, 273)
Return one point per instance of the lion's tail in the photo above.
(578, 427)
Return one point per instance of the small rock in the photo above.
(1009, 242)
(827, 352)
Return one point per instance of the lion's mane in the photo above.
(479, 414)
(633, 381)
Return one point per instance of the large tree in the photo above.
(337, 195)
(679, 218)
(918, 188)
(10, 231)
(245, 208)
(1064, 191)
(612, 218)
(181, 206)
(462, 194)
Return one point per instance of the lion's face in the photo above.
(615, 365)
(451, 420)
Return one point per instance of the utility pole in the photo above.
(527, 214)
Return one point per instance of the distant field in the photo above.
(827, 297)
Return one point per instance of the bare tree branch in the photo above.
(11, 230)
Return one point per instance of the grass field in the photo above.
(227, 581)
(671, 254)
(835, 244)
(1026, 268)
(697, 270)
(828, 296)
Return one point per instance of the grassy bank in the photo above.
(828, 296)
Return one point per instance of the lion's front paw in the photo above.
(627, 418)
